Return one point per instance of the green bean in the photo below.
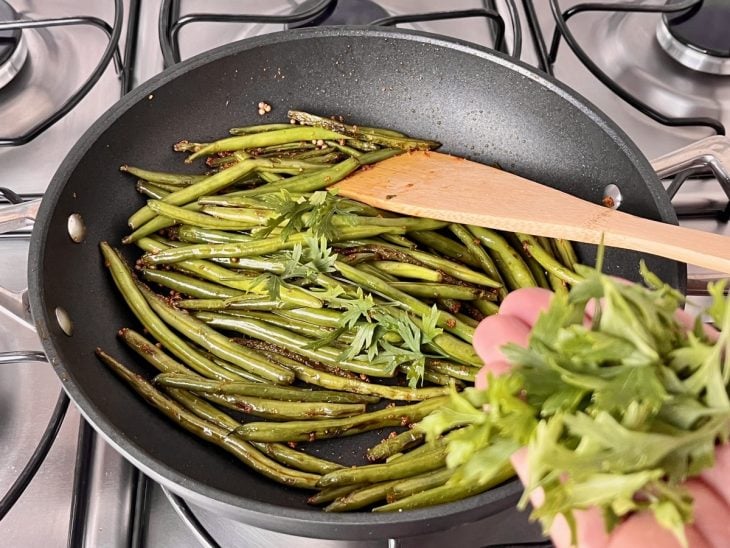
(328, 495)
(209, 185)
(202, 409)
(194, 234)
(308, 182)
(257, 217)
(397, 469)
(299, 460)
(188, 285)
(323, 317)
(486, 307)
(151, 353)
(296, 326)
(242, 373)
(209, 431)
(129, 289)
(175, 179)
(448, 492)
(564, 250)
(417, 484)
(478, 252)
(151, 190)
(330, 428)
(452, 272)
(279, 410)
(271, 392)
(228, 305)
(344, 148)
(513, 269)
(158, 223)
(456, 370)
(368, 268)
(446, 246)
(185, 215)
(546, 261)
(398, 240)
(263, 139)
(406, 270)
(257, 129)
(365, 134)
(468, 320)
(223, 276)
(538, 272)
(255, 248)
(439, 290)
(293, 342)
(214, 342)
(392, 445)
(359, 498)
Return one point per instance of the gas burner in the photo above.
(345, 12)
(698, 39)
(13, 49)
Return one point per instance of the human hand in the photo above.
(710, 490)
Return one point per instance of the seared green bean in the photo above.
(448, 492)
(185, 215)
(158, 223)
(151, 353)
(263, 246)
(330, 428)
(151, 190)
(214, 342)
(175, 179)
(209, 185)
(264, 139)
(129, 289)
(365, 134)
(267, 391)
(299, 460)
(439, 290)
(446, 246)
(229, 305)
(279, 410)
(257, 129)
(195, 235)
(548, 262)
(397, 469)
(417, 484)
(296, 343)
(513, 269)
(478, 252)
(209, 431)
(405, 270)
(359, 498)
(328, 495)
(228, 278)
(456, 370)
(188, 285)
(392, 445)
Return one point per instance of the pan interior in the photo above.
(477, 104)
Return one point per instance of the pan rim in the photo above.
(315, 522)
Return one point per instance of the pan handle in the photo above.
(17, 217)
(710, 153)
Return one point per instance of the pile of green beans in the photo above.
(276, 315)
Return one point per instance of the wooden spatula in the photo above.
(430, 184)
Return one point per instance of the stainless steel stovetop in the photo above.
(84, 493)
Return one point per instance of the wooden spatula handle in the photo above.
(429, 184)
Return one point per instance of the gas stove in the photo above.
(663, 77)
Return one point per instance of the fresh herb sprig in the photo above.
(616, 414)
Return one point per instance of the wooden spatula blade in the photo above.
(448, 188)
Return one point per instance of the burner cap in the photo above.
(345, 12)
(699, 38)
(13, 50)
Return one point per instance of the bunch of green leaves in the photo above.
(371, 321)
(304, 263)
(313, 212)
(616, 412)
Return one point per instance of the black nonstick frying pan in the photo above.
(480, 104)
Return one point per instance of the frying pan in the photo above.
(480, 104)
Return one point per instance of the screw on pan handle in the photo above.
(711, 153)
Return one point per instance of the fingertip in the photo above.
(495, 331)
(496, 368)
(526, 303)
